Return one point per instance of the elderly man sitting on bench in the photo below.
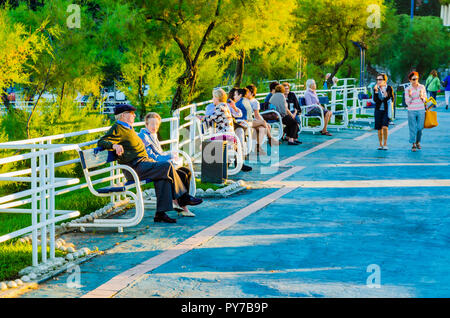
(130, 150)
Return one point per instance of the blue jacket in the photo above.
(240, 105)
(153, 147)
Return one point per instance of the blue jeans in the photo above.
(416, 119)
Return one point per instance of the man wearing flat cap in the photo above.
(130, 150)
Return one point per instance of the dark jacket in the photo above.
(384, 100)
(292, 98)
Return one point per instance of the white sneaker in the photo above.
(385, 147)
(187, 213)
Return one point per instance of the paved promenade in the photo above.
(339, 218)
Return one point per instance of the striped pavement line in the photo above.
(407, 164)
(364, 183)
(307, 152)
(391, 131)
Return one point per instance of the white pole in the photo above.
(42, 202)
(51, 169)
(34, 220)
(192, 130)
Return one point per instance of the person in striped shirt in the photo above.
(415, 97)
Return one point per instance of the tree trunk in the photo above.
(239, 72)
(337, 66)
(61, 99)
(185, 88)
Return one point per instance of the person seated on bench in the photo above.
(272, 91)
(221, 117)
(292, 100)
(291, 126)
(261, 127)
(240, 126)
(130, 150)
(154, 151)
(312, 99)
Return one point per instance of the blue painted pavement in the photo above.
(311, 242)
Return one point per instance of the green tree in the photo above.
(326, 29)
(20, 49)
(210, 28)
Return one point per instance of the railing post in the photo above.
(34, 207)
(355, 103)
(51, 170)
(192, 132)
(42, 203)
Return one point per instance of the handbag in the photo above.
(430, 116)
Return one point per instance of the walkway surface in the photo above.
(339, 218)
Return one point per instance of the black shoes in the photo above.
(298, 142)
(246, 168)
(292, 143)
(189, 200)
(163, 217)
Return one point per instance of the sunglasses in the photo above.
(380, 79)
(414, 79)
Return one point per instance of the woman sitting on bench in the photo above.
(153, 147)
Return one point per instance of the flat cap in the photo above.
(123, 108)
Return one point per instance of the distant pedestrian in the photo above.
(415, 97)
(433, 84)
(325, 84)
(447, 90)
(383, 95)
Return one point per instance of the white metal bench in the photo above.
(92, 160)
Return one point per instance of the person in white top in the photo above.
(415, 97)
(259, 124)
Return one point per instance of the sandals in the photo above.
(414, 148)
(418, 146)
(326, 133)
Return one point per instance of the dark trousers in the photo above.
(291, 127)
(168, 184)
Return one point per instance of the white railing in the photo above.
(40, 154)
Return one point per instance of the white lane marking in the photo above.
(364, 183)
(307, 152)
(393, 130)
(260, 272)
(348, 165)
(367, 134)
(121, 281)
(286, 174)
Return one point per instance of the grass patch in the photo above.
(15, 257)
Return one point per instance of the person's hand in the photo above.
(175, 156)
(375, 88)
(410, 92)
(118, 148)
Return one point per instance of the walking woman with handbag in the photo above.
(415, 97)
(383, 95)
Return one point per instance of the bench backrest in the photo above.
(91, 158)
(324, 100)
(362, 96)
(302, 101)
